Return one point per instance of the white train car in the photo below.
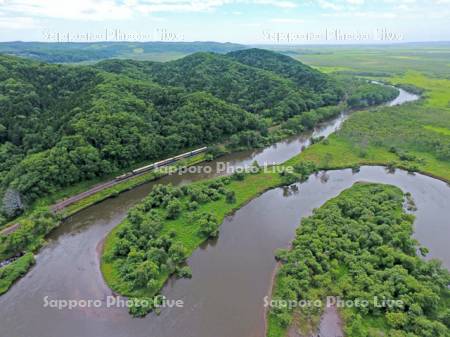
(161, 163)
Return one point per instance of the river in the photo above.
(231, 276)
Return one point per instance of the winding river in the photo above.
(231, 276)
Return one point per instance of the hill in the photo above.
(283, 65)
(60, 125)
(264, 89)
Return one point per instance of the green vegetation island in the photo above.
(358, 247)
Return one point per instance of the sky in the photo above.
(240, 21)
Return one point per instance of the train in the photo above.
(161, 163)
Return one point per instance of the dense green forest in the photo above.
(270, 93)
(358, 246)
(63, 124)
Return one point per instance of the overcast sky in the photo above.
(243, 21)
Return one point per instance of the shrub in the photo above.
(239, 176)
(209, 226)
(184, 272)
(192, 206)
(230, 197)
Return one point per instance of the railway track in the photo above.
(127, 176)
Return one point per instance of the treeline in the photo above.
(363, 93)
(359, 246)
(60, 125)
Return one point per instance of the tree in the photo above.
(3, 132)
(177, 253)
(173, 209)
(12, 203)
(209, 226)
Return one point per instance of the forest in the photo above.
(60, 125)
(359, 246)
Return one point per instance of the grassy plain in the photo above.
(432, 59)
(421, 130)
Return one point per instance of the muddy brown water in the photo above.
(231, 276)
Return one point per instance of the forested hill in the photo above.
(265, 89)
(60, 125)
(301, 74)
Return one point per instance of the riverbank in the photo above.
(339, 151)
(11, 272)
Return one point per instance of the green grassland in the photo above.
(431, 59)
(437, 89)
(10, 273)
(417, 134)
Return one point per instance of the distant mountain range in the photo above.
(85, 52)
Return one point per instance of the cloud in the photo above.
(281, 4)
(80, 9)
(329, 5)
(153, 6)
(286, 20)
(360, 14)
(99, 10)
(14, 23)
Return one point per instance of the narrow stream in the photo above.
(230, 276)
